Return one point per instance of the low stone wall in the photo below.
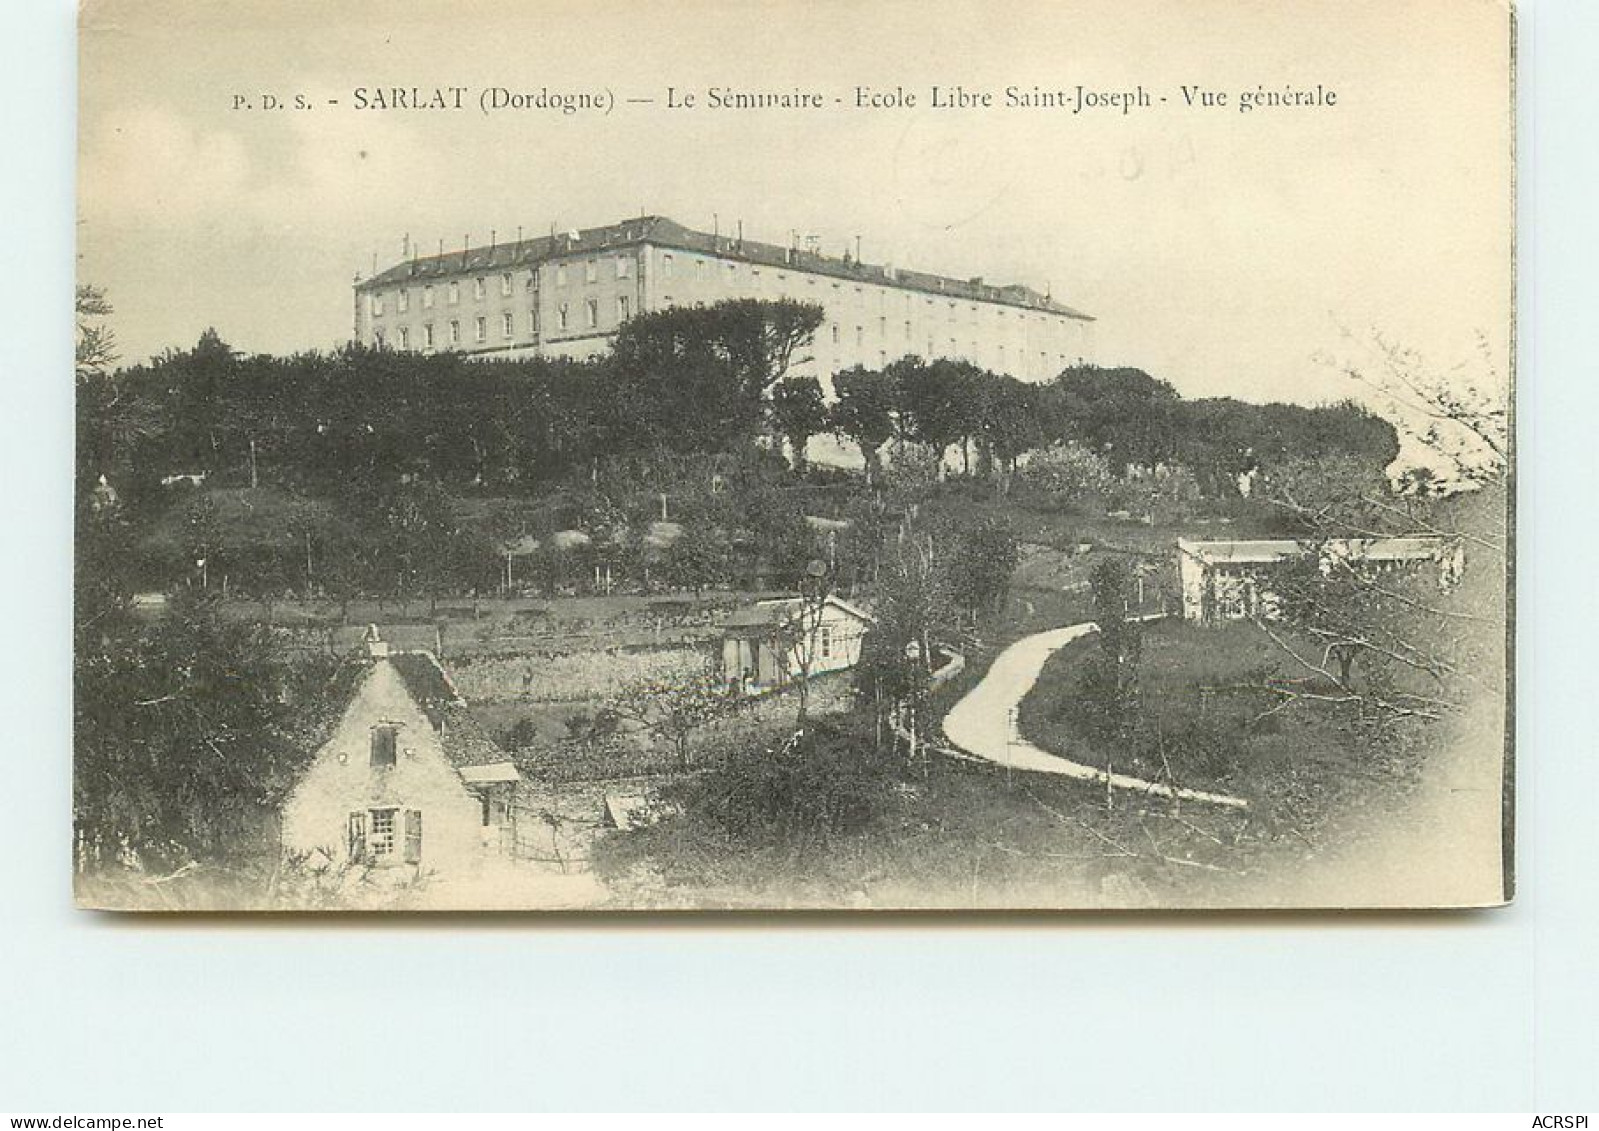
(566, 677)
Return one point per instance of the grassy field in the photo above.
(1206, 721)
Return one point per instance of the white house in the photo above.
(1232, 580)
(407, 778)
(766, 645)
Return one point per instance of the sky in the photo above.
(1227, 252)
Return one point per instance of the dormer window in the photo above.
(385, 745)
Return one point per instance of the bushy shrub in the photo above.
(821, 784)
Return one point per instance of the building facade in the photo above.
(566, 294)
(406, 781)
(768, 644)
(1233, 580)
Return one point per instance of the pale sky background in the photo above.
(1219, 250)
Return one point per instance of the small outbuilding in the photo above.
(1232, 580)
(768, 644)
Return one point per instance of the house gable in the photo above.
(385, 756)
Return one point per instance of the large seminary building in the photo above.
(564, 295)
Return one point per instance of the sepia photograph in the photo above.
(763, 457)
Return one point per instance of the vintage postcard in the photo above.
(768, 455)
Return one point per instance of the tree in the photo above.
(932, 400)
(1110, 679)
(1067, 473)
(697, 378)
(1462, 420)
(187, 734)
(800, 797)
(1412, 645)
(672, 711)
(697, 560)
(1124, 413)
(914, 608)
(864, 413)
(1010, 422)
(798, 412)
(981, 561)
(96, 347)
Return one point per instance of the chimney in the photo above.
(376, 646)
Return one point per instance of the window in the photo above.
(427, 335)
(403, 302)
(374, 834)
(666, 265)
(384, 745)
(591, 271)
(482, 329)
(882, 327)
(592, 311)
(380, 833)
(377, 338)
(621, 308)
(505, 285)
(860, 337)
(732, 274)
(907, 330)
(507, 324)
(624, 267)
(533, 320)
(825, 641)
(560, 317)
(834, 328)
(455, 332)
(455, 291)
(560, 274)
(699, 270)
(405, 337)
(376, 304)
(478, 288)
(427, 297)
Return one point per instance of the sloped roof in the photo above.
(465, 742)
(662, 232)
(779, 610)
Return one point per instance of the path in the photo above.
(984, 722)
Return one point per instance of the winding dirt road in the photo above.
(984, 722)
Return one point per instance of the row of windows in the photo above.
(563, 321)
(834, 332)
(622, 266)
(730, 269)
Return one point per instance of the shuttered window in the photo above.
(383, 745)
(413, 836)
(357, 836)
